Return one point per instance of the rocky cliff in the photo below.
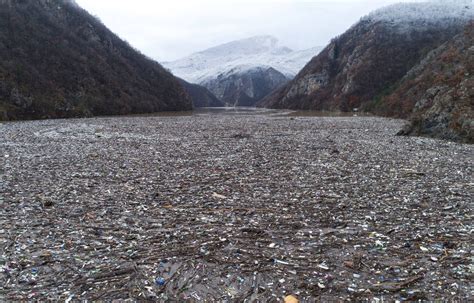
(245, 87)
(367, 62)
(59, 61)
(441, 91)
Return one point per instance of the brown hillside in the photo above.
(441, 91)
(366, 63)
(59, 61)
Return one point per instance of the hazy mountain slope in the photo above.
(244, 71)
(200, 95)
(59, 61)
(441, 91)
(367, 61)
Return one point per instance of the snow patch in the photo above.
(428, 13)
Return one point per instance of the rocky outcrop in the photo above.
(59, 61)
(441, 90)
(359, 68)
(245, 87)
(201, 96)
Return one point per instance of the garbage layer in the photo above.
(244, 208)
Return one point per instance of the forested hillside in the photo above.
(59, 61)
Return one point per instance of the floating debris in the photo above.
(181, 209)
(218, 196)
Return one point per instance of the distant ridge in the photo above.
(259, 51)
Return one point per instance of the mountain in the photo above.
(259, 51)
(366, 63)
(201, 96)
(242, 72)
(59, 61)
(245, 86)
(441, 91)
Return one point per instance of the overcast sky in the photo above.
(170, 29)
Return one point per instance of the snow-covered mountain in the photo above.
(241, 55)
(244, 71)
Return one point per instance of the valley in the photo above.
(188, 154)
